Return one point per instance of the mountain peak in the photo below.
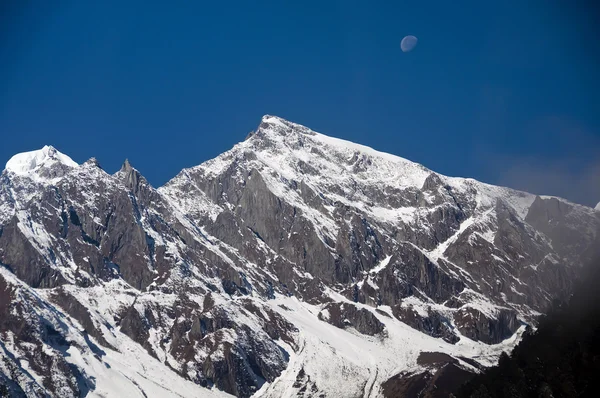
(597, 206)
(285, 134)
(272, 119)
(126, 167)
(131, 176)
(266, 123)
(30, 162)
(92, 162)
(291, 239)
(279, 124)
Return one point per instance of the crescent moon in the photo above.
(408, 43)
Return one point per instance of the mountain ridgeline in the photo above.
(294, 264)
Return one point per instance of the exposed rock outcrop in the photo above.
(344, 315)
(219, 277)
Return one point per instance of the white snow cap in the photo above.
(28, 162)
(597, 206)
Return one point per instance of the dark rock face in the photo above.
(189, 271)
(236, 358)
(434, 324)
(106, 242)
(76, 310)
(442, 376)
(28, 264)
(344, 315)
(418, 273)
(560, 222)
(41, 342)
(481, 327)
(438, 383)
(137, 326)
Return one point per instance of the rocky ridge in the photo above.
(295, 264)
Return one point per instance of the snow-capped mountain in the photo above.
(37, 164)
(295, 264)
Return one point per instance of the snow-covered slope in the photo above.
(47, 334)
(294, 264)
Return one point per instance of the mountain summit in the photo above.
(27, 162)
(294, 264)
(43, 163)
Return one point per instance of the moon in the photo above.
(408, 43)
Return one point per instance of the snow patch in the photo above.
(381, 266)
(27, 163)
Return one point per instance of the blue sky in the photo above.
(506, 93)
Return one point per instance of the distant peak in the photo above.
(27, 163)
(93, 162)
(126, 167)
(267, 123)
(128, 170)
(272, 127)
(49, 149)
(131, 176)
(289, 134)
(597, 206)
(270, 120)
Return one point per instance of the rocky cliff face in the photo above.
(294, 264)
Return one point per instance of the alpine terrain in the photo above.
(292, 265)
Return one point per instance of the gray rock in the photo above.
(489, 329)
(344, 315)
(283, 213)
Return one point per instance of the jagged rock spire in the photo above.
(131, 177)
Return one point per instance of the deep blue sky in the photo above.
(506, 92)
